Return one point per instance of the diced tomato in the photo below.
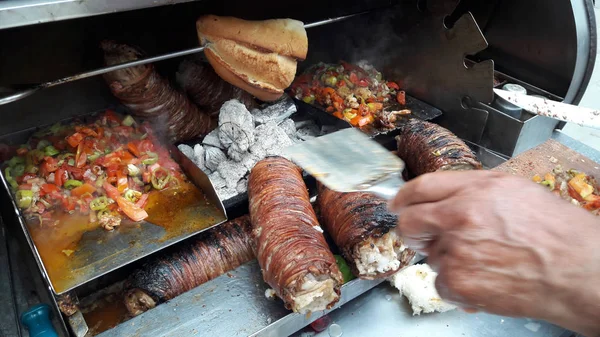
(141, 203)
(100, 132)
(48, 166)
(573, 193)
(81, 157)
(592, 202)
(75, 139)
(401, 97)
(69, 204)
(86, 131)
(59, 177)
(112, 116)
(41, 208)
(22, 151)
(363, 83)
(145, 146)
(341, 83)
(353, 78)
(60, 145)
(83, 189)
(25, 187)
(393, 85)
(146, 177)
(77, 173)
(49, 188)
(134, 212)
(133, 148)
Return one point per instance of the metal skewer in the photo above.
(35, 88)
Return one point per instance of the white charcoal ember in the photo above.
(271, 138)
(232, 172)
(250, 159)
(236, 128)
(276, 112)
(242, 186)
(187, 150)
(289, 127)
(213, 157)
(227, 193)
(217, 181)
(212, 139)
(199, 153)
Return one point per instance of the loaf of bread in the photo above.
(259, 57)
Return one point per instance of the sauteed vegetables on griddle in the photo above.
(100, 169)
(355, 93)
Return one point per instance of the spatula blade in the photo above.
(346, 160)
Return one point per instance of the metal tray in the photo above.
(99, 252)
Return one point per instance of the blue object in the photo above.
(37, 321)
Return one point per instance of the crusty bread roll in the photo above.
(259, 57)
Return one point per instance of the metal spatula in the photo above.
(350, 161)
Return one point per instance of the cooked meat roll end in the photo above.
(151, 96)
(290, 247)
(363, 230)
(428, 147)
(212, 254)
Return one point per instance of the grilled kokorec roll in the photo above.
(428, 147)
(291, 250)
(212, 254)
(363, 230)
(206, 89)
(151, 96)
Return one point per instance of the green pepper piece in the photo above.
(30, 168)
(42, 144)
(10, 179)
(16, 160)
(128, 121)
(344, 268)
(71, 183)
(99, 203)
(94, 156)
(51, 151)
(160, 183)
(153, 158)
(71, 162)
(56, 128)
(308, 99)
(18, 170)
(24, 198)
(132, 195)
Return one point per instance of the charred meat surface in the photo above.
(290, 247)
(207, 90)
(151, 96)
(428, 147)
(363, 230)
(212, 254)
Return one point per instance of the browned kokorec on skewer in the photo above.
(206, 89)
(428, 147)
(290, 247)
(363, 230)
(151, 96)
(212, 254)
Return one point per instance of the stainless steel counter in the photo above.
(378, 312)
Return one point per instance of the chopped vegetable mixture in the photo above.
(574, 186)
(357, 94)
(100, 169)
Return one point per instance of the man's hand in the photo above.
(505, 245)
